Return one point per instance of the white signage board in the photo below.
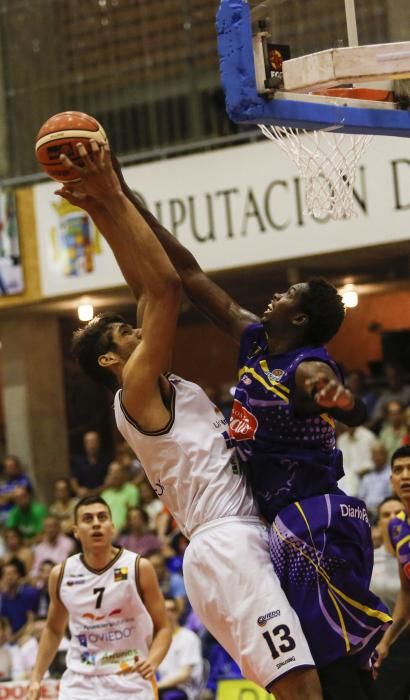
(231, 207)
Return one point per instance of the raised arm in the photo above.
(144, 264)
(207, 296)
(51, 636)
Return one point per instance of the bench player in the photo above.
(182, 440)
(116, 613)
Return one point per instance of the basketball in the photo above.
(60, 135)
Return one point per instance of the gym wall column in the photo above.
(33, 398)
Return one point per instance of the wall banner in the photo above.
(232, 207)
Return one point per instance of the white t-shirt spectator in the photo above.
(356, 446)
(185, 650)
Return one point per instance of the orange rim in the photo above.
(357, 93)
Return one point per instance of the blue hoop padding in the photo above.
(245, 106)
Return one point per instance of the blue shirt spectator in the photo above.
(222, 667)
(18, 602)
(14, 478)
(88, 470)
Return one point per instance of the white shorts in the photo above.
(81, 686)
(234, 590)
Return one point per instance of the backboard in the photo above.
(322, 38)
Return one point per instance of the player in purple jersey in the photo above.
(289, 393)
(399, 531)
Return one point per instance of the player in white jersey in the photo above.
(118, 624)
(182, 441)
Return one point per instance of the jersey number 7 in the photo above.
(99, 592)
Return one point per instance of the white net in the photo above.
(327, 163)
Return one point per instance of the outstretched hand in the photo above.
(329, 393)
(96, 176)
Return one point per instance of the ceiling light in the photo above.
(85, 312)
(349, 296)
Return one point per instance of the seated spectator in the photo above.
(393, 430)
(171, 584)
(16, 549)
(88, 470)
(222, 667)
(54, 545)
(126, 457)
(27, 514)
(181, 671)
(385, 581)
(150, 502)
(406, 439)
(63, 505)
(18, 601)
(6, 659)
(356, 382)
(356, 444)
(14, 477)
(376, 485)
(136, 537)
(396, 390)
(45, 570)
(120, 494)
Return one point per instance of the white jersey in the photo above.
(108, 621)
(190, 463)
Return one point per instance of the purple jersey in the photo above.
(399, 532)
(288, 457)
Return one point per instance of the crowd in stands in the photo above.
(34, 537)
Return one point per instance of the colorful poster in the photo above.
(11, 271)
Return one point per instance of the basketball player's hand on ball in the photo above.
(329, 393)
(89, 204)
(96, 175)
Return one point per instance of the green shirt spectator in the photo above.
(119, 494)
(27, 515)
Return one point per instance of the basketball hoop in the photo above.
(327, 163)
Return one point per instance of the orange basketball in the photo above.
(60, 134)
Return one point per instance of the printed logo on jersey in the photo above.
(246, 380)
(275, 375)
(76, 582)
(121, 657)
(395, 531)
(88, 659)
(113, 635)
(97, 618)
(243, 424)
(406, 569)
(263, 619)
(82, 640)
(121, 574)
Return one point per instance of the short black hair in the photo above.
(403, 451)
(18, 565)
(89, 501)
(93, 340)
(324, 306)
